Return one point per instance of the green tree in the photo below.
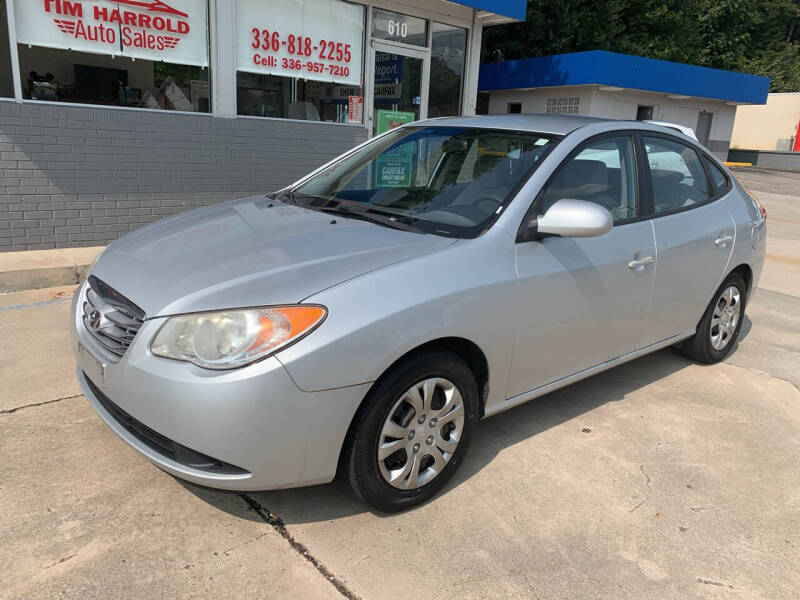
(755, 36)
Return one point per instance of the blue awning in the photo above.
(507, 8)
(598, 67)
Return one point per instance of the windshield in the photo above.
(450, 181)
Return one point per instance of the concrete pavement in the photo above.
(86, 518)
(779, 193)
(658, 479)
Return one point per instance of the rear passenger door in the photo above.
(694, 235)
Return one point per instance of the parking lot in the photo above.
(660, 479)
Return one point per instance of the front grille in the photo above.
(109, 317)
(159, 443)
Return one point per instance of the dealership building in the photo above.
(620, 86)
(115, 113)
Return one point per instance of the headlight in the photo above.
(234, 338)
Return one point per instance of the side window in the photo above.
(677, 175)
(603, 172)
(718, 179)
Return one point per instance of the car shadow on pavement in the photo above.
(335, 500)
(747, 325)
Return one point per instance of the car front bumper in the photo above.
(246, 429)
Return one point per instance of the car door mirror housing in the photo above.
(575, 218)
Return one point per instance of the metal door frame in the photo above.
(404, 50)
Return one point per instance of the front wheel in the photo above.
(412, 431)
(719, 328)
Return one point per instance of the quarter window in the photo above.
(677, 175)
(718, 178)
(603, 172)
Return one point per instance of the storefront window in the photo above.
(448, 58)
(300, 59)
(6, 80)
(289, 98)
(85, 78)
(126, 53)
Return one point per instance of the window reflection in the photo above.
(290, 98)
(68, 76)
(448, 57)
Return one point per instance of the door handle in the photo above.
(723, 240)
(641, 263)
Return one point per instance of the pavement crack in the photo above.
(638, 505)
(61, 560)
(646, 476)
(785, 295)
(716, 583)
(767, 373)
(11, 411)
(227, 551)
(278, 525)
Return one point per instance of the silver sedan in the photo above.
(362, 320)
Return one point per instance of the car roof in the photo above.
(552, 124)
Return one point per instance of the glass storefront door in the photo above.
(399, 91)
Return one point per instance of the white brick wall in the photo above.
(76, 176)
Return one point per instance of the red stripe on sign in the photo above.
(67, 27)
(154, 6)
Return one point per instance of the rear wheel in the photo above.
(412, 431)
(719, 328)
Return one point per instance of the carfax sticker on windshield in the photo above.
(394, 167)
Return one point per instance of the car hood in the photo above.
(251, 252)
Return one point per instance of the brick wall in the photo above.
(75, 176)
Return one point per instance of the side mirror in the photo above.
(575, 218)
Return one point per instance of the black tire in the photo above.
(360, 459)
(699, 347)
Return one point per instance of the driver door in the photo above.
(581, 300)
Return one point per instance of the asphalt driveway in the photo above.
(660, 478)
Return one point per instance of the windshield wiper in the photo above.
(369, 215)
(354, 210)
(286, 197)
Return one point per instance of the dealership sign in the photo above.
(170, 30)
(308, 39)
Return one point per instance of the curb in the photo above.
(20, 271)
